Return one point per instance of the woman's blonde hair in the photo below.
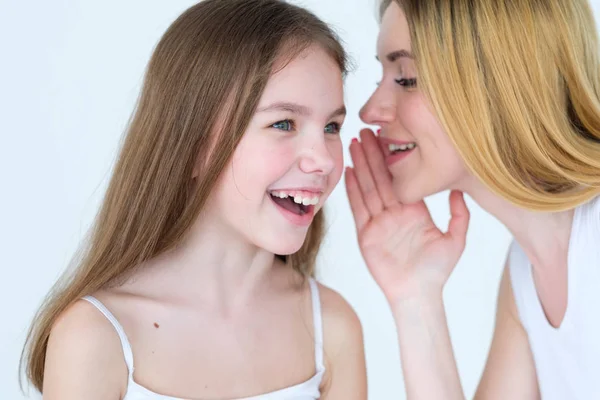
(516, 84)
(201, 89)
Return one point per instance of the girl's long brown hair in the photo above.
(201, 89)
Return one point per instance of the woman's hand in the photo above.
(405, 252)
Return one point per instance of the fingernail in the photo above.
(354, 140)
(378, 131)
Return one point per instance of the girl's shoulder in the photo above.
(342, 329)
(84, 355)
(343, 347)
(336, 309)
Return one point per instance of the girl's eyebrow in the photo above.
(298, 109)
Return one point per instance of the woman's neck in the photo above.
(543, 236)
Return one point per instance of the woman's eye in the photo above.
(333, 128)
(408, 83)
(285, 125)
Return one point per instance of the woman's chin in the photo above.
(415, 191)
(407, 194)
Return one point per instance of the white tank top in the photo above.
(308, 390)
(567, 359)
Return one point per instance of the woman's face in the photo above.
(419, 154)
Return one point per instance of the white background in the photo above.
(70, 72)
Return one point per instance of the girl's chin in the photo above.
(287, 246)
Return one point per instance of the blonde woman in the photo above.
(499, 100)
(197, 281)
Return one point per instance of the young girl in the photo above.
(500, 100)
(197, 279)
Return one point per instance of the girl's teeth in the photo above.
(297, 198)
(306, 201)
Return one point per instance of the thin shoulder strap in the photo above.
(317, 323)
(128, 354)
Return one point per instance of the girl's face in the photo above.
(289, 159)
(418, 152)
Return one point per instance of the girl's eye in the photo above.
(333, 128)
(285, 125)
(408, 83)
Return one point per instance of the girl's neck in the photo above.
(212, 264)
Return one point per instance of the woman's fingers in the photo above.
(357, 205)
(459, 223)
(365, 180)
(381, 174)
